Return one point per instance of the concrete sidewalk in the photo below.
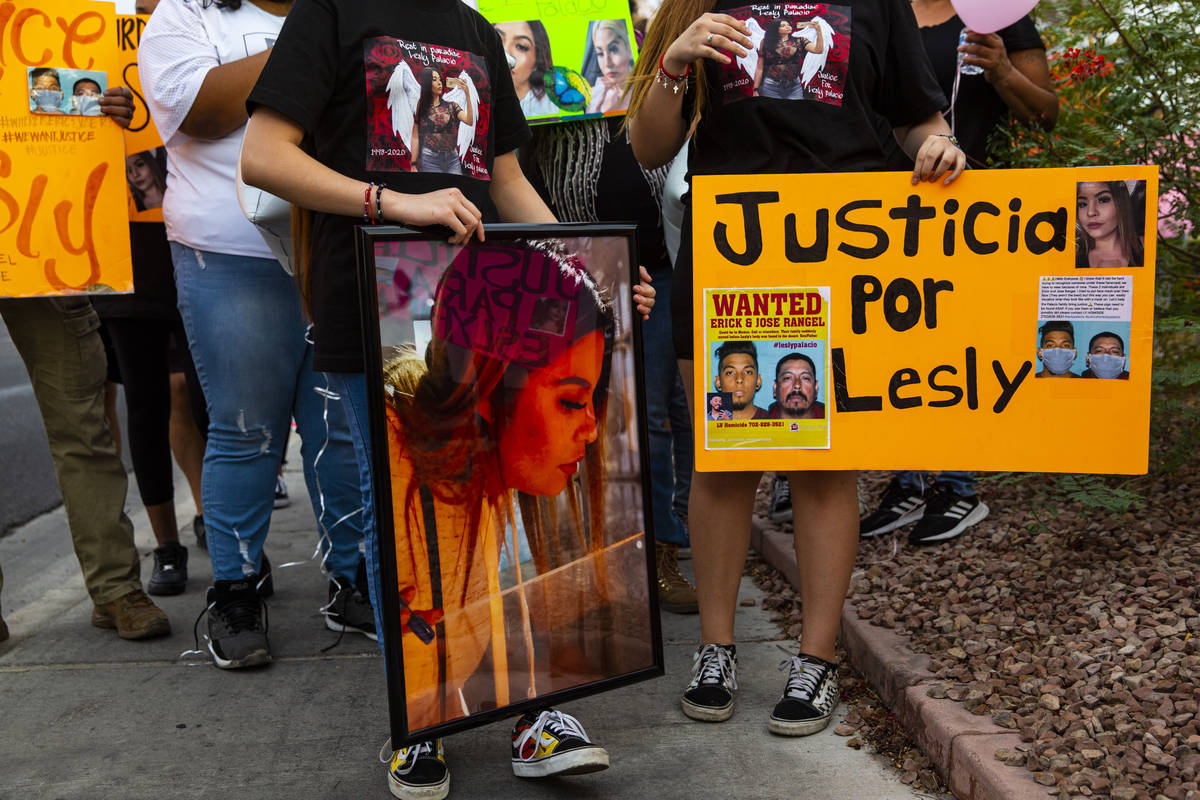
(86, 715)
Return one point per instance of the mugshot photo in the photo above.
(771, 380)
(1083, 349)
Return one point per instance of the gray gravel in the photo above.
(1085, 638)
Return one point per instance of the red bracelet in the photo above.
(676, 78)
(367, 218)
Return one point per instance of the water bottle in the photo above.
(966, 69)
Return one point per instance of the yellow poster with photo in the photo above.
(62, 165)
(767, 364)
(1003, 322)
(145, 156)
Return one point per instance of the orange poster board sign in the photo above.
(145, 155)
(62, 166)
(1001, 323)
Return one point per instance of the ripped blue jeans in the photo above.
(246, 331)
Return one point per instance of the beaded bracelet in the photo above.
(367, 218)
(379, 203)
(953, 139)
(667, 80)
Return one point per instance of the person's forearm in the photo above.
(913, 136)
(1027, 101)
(283, 169)
(514, 196)
(220, 106)
(658, 131)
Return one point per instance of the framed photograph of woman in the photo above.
(509, 447)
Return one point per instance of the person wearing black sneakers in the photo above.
(312, 89)
(687, 76)
(943, 507)
(246, 326)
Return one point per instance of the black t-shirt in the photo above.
(978, 107)
(350, 72)
(873, 69)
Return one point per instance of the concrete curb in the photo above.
(961, 745)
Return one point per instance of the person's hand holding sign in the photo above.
(117, 104)
(938, 155)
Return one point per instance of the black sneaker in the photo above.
(418, 772)
(349, 608)
(811, 695)
(946, 515)
(549, 742)
(897, 508)
(170, 570)
(709, 697)
(200, 531)
(781, 500)
(237, 625)
(281, 494)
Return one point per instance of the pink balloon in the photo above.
(989, 16)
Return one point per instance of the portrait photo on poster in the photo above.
(801, 51)
(428, 108)
(146, 174)
(1083, 349)
(607, 64)
(720, 406)
(1110, 224)
(63, 91)
(531, 62)
(509, 439)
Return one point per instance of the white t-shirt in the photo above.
(180, 44)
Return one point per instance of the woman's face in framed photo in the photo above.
(552, 420)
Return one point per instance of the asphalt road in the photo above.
(28, 487)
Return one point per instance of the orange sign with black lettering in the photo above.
(63, 218)
(1003, 322)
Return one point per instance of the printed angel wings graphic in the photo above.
(467, 97)
(749, 62)
(815, 62)
(404, 94)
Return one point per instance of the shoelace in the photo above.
(356, 596)
(804, 678)
(139, 600)
(557, 723)
(245, 610)
(713, 664)
(941, 501)
(166, 560)
(410, 753)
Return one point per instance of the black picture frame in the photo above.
(369, 272)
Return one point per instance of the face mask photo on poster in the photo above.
(61, 91)
(1083, 349)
